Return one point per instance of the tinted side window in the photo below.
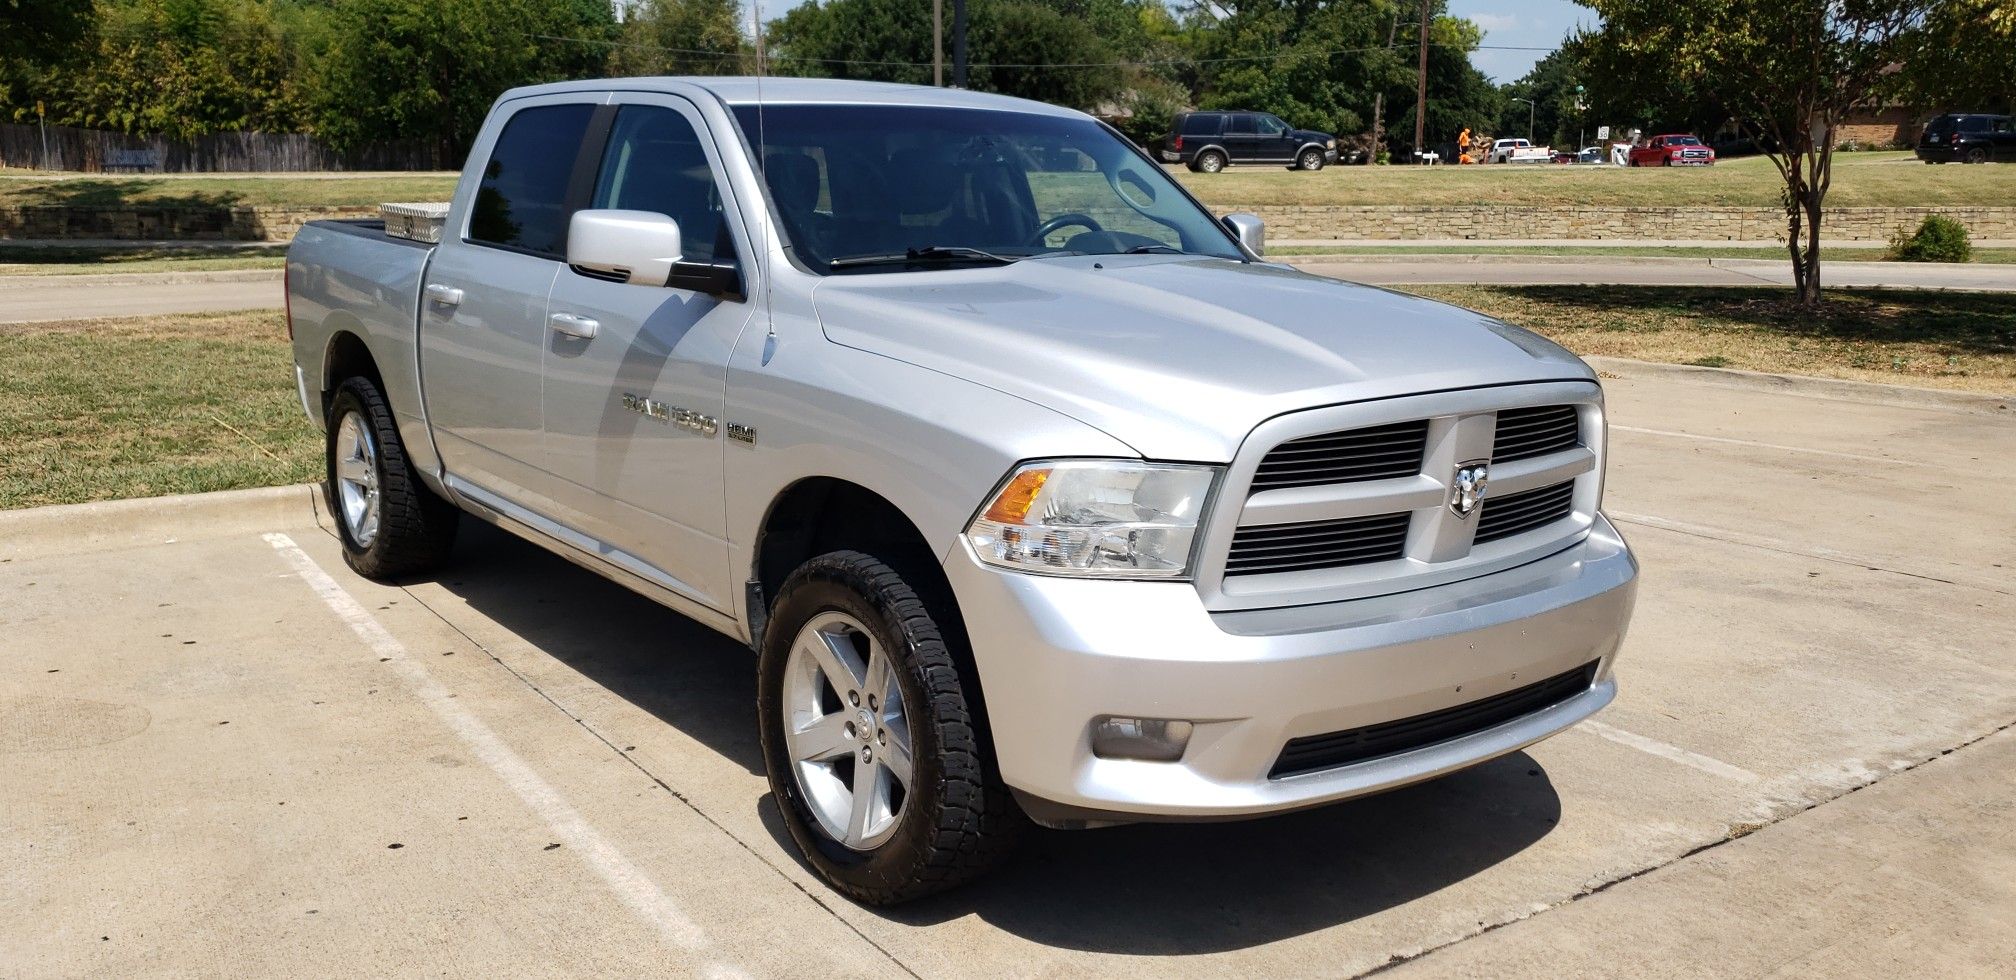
(1202, 124)
(522, 203)
(1239, 124)
(1974, 124)
(655, 163)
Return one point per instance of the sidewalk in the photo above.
(1584, 243)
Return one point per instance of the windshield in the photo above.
(1682, 141)
(857, 183)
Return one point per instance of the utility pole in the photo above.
(938, 43)
(958, 43)
(1421, 87)
(1379, 97)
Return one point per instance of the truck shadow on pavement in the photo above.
(1146, 889)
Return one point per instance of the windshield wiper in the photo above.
(938, 253)
(1157, 247)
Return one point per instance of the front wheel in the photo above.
(1311, 160)
(389, 522)
(870, 734)
(1210, 161)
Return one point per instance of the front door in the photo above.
(1272, 143)
(633, 426)
(483, 305)
(1242, 140)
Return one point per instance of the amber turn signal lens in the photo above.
(1015, 499)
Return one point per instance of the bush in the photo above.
(1938, 239)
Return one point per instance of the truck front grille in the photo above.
(1518, 513)
(1524, 433)
(1317, 544)
(1314, 753)
(1378, 453)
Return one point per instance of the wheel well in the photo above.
(822, 514)
(348, 357)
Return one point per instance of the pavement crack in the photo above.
(1787, 548)
(1734, 832)
(618, 751)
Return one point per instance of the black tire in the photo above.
(415, 528)
(1210, 162)
(1977, 154)
(1310, 160)
(957, 820)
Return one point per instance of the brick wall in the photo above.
(1396, 222)
(1690, 223)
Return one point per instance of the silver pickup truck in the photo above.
(1039, 494)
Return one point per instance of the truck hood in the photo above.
(1178, 356)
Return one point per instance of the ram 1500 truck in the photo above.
(1039, 494)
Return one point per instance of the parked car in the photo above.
(1671, 151)
(1209, 142)
(1079, 513)
(1518, 151)
(1968, 137)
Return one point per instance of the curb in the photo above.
(1473, 258)
(105, 525)
(140, 278)
(1834, 389)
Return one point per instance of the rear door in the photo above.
(633, 426)
(1242, 137)
(483, 306)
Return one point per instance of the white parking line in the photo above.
(1692, 760)
(1771, 445)
(629, 882)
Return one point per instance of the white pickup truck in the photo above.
(1039, 494)
(1519, 151)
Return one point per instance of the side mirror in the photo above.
(1249, 229)
(639, 246)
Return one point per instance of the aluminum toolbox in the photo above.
(419, 222)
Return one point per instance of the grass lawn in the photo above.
(1964, 341)
(224, 190)
(58, 261)
(1989, 256)
(1870, 179)
(102, 409)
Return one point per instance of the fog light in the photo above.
(1149, 739)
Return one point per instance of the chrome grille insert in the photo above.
(1524, 433)
(1518, 513)
(1377, 453)
(1317, 544)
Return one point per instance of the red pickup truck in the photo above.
(1672, 151)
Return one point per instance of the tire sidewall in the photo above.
(348, 402)
(1211, 162)
(824, 586)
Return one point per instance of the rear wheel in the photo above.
(1977, 154)
(390, 524)
(1311, 160)
(1210, 161)
(870, 736)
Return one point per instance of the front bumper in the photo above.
(1055, 654)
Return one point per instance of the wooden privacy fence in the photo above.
(99, 151)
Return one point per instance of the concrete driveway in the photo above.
(223, 754)
(27, 299)
(1513, 270)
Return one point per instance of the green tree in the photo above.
(393, 69)
(1788, 70)
(1552, 87)
(1459, 96)
(681, 37)
(1962, 59)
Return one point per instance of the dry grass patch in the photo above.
(224, 190)
(144, 406)
(61, 260)
(1963, 341)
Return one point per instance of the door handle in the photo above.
(574, 326)
(444, 295)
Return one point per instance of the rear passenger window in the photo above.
(1202, 124)
(522, 202)
(655, 163)
(1239, 124)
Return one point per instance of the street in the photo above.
(228, 755)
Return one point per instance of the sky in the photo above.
(1519, 23)
(1513, 23)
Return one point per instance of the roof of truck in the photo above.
(745, 90)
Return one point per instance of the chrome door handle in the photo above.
(444, 295)
(574, 326)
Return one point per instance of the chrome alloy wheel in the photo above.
(357, 479)
(847, 731)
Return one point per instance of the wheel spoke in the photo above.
(866, 802)
(355, 469)
(894, 755)
(876, 679)
(824, 739)
(836, 657)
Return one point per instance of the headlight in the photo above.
(1095, 518)
(1330, 144)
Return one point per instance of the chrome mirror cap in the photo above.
(1249, 229)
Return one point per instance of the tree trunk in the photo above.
(1795, 215)
(1809, 273)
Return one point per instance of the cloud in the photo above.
(1494, 22)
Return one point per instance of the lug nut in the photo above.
(866, 756)
(854, 698)
(882, 738)
(848, 729)
(871, 702)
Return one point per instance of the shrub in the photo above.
(1938, 239)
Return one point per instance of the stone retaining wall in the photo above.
(1396, 222)
(1485, 222)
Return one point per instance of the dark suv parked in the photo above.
(1210, 141)
(1968, 137)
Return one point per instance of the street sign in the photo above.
(1602, 132)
